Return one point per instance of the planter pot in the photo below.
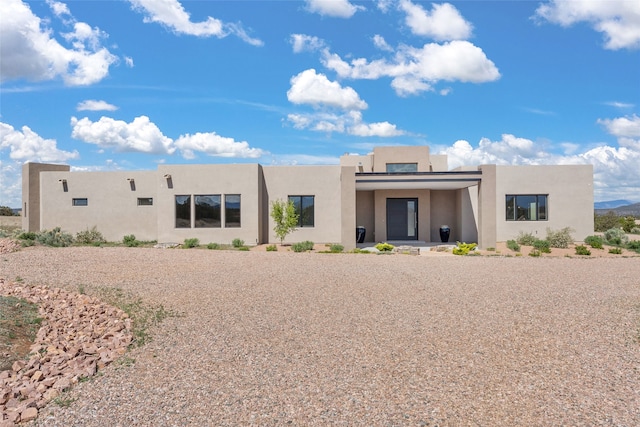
(360, 232)
(445, 231)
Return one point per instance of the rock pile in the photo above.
(8, 246)
(79, 335)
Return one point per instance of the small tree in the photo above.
(6, 211)
(285, 217)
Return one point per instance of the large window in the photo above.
(402, 167)
(232, 210)
(305, 206)
(528, 207)
(207, 211)
(183, 211)
(80, 202)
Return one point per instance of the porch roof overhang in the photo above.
(417, 180)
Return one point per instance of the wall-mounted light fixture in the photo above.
(167, 176)
(360, 168)
(65, 187)
(132, 183)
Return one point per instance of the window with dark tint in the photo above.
(145, 201)
(526, 207)
(232, 210)
(305, 206)
(183, 211)
(207, 211)
(80, 202)
(402, 167)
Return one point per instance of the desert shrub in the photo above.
(237, 243)
(560, 238)
(272, 248)
(526, 239)
(542, 245)
(213, 246)
(535, 253)
(302, 246)
(606, 221)
(513, 245)
(384, 247)
(243, 248)
(616, 237)
(627, 223)
(191, 243)
(336, 248)
(595, 242)
(582, 250)
(90, 237)
(55, 237)
(464, 248)
(130, 241)
(634, 245)
(27, 235)
(616, 251)
(635, 230)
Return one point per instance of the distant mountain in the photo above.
(628, 210)
(610, 204)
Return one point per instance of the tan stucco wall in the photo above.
(31, 192)
(332, 210)
(366, 162)
(228, 179)
(443, 212)
(467, 210)
(417, 154)
(365, 213)
(569, 202)
(112, 205)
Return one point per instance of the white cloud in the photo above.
(25, 145)
(617, 104)
(311, 88)
(333, 8)
(618, 20)
(213, 144)
(303, 159)
(129, 61)
(94, 105)
(444, 22)
(381, 43)
(60, 9)
(172, 14)
(303, 42)
(623, 126)
(28, 50)
(350, 123)
(141, 135)
(415, 70)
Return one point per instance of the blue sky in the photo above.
(119, 85)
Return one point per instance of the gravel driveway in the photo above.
(274, 338)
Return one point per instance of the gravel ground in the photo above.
(272, 338)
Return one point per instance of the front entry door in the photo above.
(402, 219)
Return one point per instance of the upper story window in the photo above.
(305, 207)
(80, 202)
(526, 207)
(402, 167)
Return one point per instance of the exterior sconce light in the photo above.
(65, 187)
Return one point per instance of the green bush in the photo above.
(526, 239)
(302, 246)
(464, 248)
(213, 246)
(616, 251)
(27, 235)
(237, 243)
(272, 248)
(542, 245)
(535, 253)
(634, 245)
(385, 247)
(582, 250)
(606, 221)
(635, 230)
(616, 237)
(55, 237)
(243, 248)
(191, 243)
(628, 223)
(336, 248)
(595, 242)
(513, 245)
(130, 241)
(90, 237)
(560, 238)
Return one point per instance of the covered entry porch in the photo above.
(411, 207)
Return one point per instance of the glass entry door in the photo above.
(402, 219)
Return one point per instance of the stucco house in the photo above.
(395, 193)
